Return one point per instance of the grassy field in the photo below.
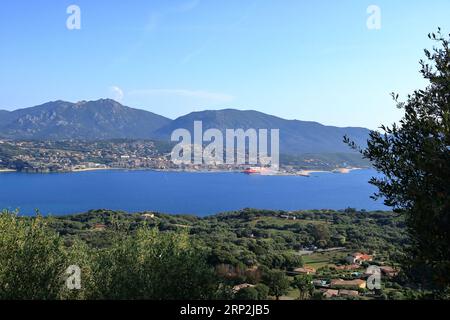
(323, 259)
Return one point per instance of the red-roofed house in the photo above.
(358, 258)
(330, 293)
(348, 293)
(388, 271)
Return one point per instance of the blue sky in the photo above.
(308, 60)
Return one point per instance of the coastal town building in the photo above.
(358, 258)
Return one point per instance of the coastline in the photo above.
(346, 170)
(91, 169)
(302, 173)
(307, 173)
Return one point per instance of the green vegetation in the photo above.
(278, 283)
(158, 256)
(144, 264)
(415, 159)
(304, 284)
(258, 292)
(31, 259)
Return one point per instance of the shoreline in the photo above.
(301, 173)
(307, 173)
(88, 169)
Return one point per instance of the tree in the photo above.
(32, 259)
(292, 261)
(263, 291)
(81, 255)
(258, 292)
(414, 157)
(278, 283)
(304, 284)
(154, 265)
(321, 234)
(249, 293)
(139, 264)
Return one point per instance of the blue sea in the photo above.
(183, 192)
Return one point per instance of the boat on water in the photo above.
(252, 170)
(259, 170)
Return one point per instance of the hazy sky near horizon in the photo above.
(307, 60)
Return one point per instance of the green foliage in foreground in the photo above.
(414, 157)
(32, 259)
(158, 256)
(145, 264)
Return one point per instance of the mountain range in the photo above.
(108, 119)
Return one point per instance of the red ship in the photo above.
(252, 170)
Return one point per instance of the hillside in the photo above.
(108, 119)
(157, 256)
(91, 120)
(296, 137)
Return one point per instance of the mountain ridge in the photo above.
(108, 119)
(90, 120)
(296, 136)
